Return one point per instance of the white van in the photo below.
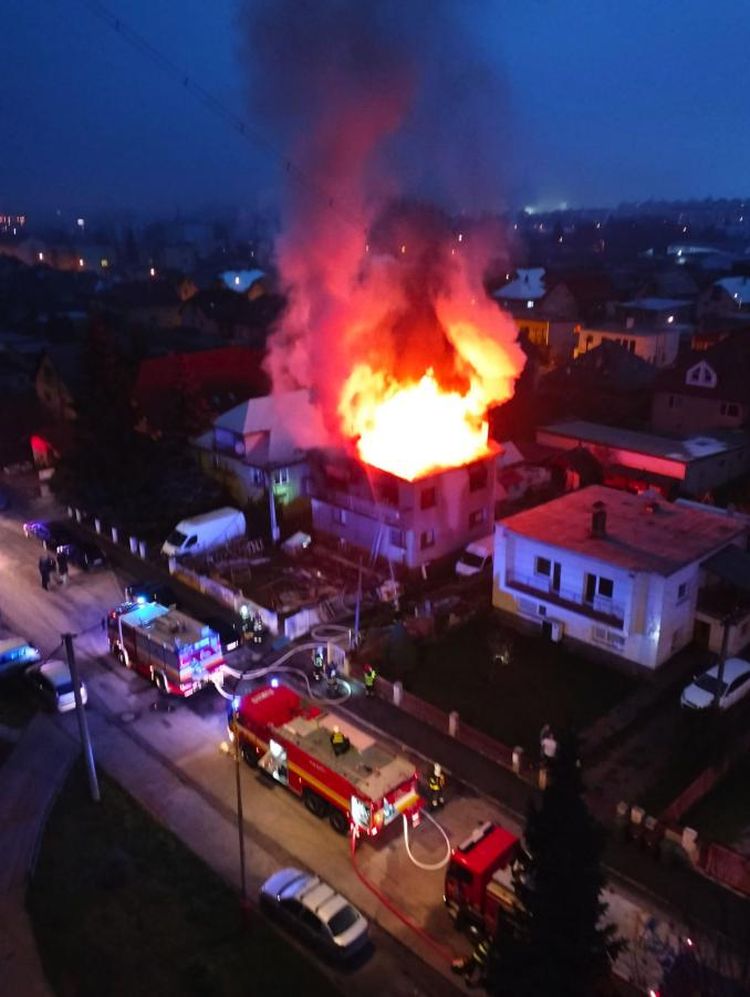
(53, 682)
(204, 532)
(477, 556)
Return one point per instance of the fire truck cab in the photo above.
(478, 880)
(361, 789)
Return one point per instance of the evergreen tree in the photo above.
(192, 412)
(555, 943)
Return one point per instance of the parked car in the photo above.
(52, 681)
(314, 910)
(701, 692)
(16, 653)
(83, 554)
(151, 591)
(230, 632)
(51, 533)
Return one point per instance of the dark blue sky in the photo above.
(606, 100)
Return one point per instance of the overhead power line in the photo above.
(218, 107)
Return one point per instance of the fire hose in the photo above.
(442, 950)
(428, 866)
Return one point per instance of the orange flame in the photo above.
(411, 428)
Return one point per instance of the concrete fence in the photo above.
(133, 544)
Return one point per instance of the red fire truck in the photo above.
(478, 880)
(178, 654)
(361, 789)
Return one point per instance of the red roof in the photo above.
(223, 377)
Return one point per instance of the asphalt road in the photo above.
(171, 760)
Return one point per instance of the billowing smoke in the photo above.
(370, 104)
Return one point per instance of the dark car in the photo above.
(83, 554)
(52, 534)
(229, 631)
(151, 591)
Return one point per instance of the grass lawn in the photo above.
(724, 814)
(121, 907)
(544, 682)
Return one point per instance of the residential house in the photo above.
(656, 346)
(709, 389)
(607, 383)
(151, 304)
(260, 448)
(543, 309)
(654, 313)
(693, 465)
(609, 569)
(408, 523)
(59, 379)
(251, 283)
(223, 314)
(728, 297)
(210, 381)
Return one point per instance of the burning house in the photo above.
(408, 522)
(388, 323)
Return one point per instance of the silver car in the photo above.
(53, 683)
(315, 911)
(703, 690)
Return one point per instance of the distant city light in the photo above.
(104, 263)
(403, 247)
(237, 280)
(40, 257)
(529, 304)
(670, 319)
(460, 237)
(81, 261)
(81, 222)
(152, 271)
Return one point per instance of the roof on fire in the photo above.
(641, 534)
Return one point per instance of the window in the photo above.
(477, 517)
(730, 409)
(477, 477)
(606, 588)
(428, 498)
(398, 539)
(281, 476)
(427, 539)
(543, 566)
(682, 591)
(192, 541)
(338, 516)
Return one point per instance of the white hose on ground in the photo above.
(428, 866)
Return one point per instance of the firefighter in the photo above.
(369, 676)
(257, 629)
(318, 664)
(436, 787)
(332, 678)
(476, 967)
(339, 742)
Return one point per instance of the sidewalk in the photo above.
(678, 891)
(29, 782)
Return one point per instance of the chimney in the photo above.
(598, 520)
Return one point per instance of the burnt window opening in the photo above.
(477, 477)
(428, 498)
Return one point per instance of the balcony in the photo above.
(600, 609)
(381, 512)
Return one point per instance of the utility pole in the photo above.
(358, 603)
(83, 727)
(240, 819)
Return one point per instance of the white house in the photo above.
(609, 569)
(260, 448)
